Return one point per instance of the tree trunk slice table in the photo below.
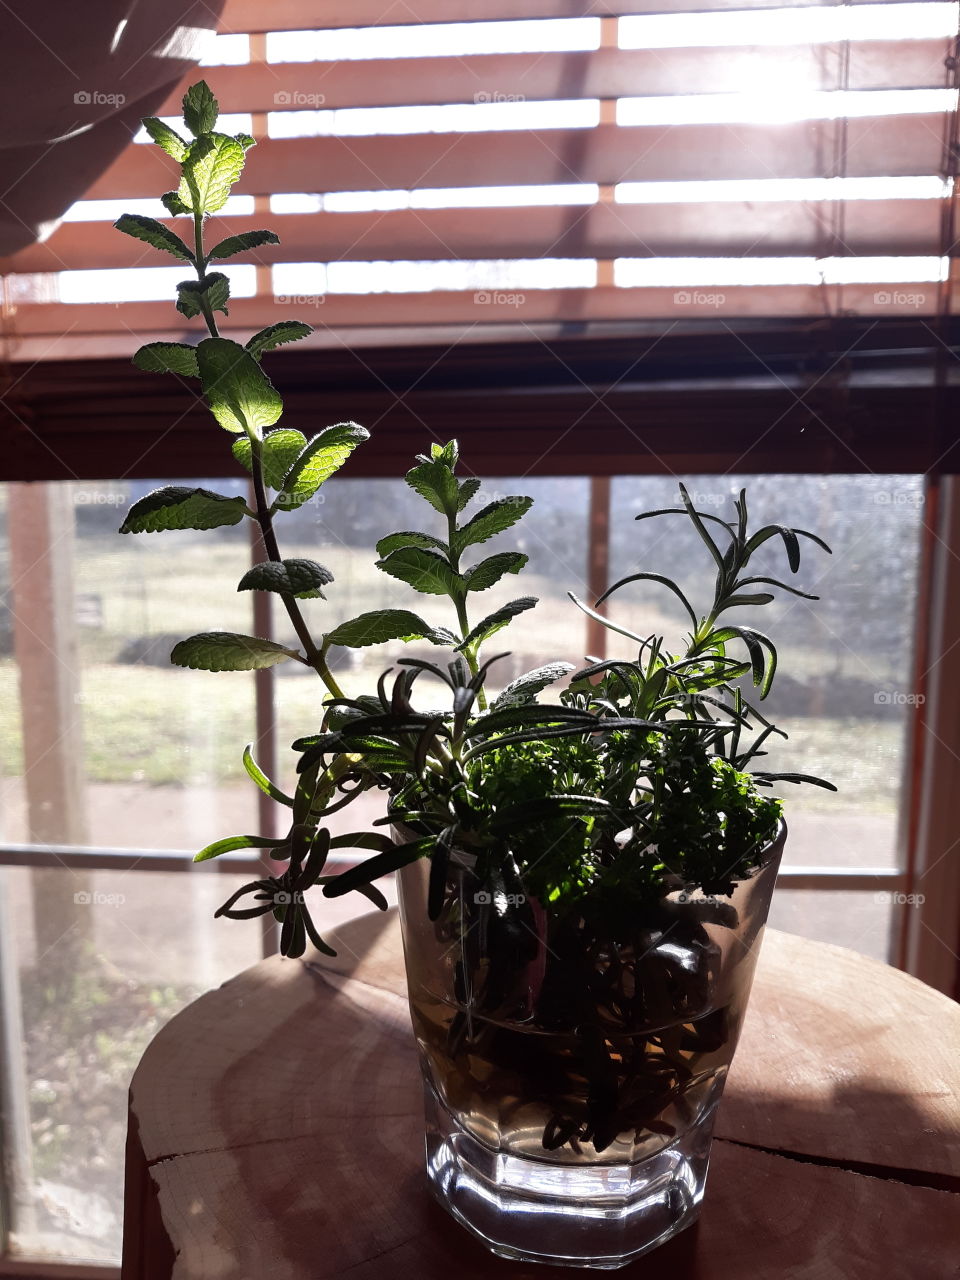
(276, 1132)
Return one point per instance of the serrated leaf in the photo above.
(154, 233)
(275, 335)
(200, 108)
(468, 490)
(497, 620)
(448, 453)
(166, 137)
(490, 571)
(325, 454)
(214, 287)
(239, 243)
(179, 507)
(423, 570)
(435, 482)
(279, 451)
(246, 140)
(168, 357)
(381, 625)
(300, 578)
(491, 520)
(526, 687)
(393, 541)
(213, 164)
(173, 204)
(228, 651)
(239, 393)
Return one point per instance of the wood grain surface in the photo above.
(276, 1132)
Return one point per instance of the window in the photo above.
(604, 251)
(146, 757)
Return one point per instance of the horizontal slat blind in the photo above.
(595, 73)
(780, 229)
(295, 15)
(479, 212)
(885, 147)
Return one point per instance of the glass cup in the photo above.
(571, 1080)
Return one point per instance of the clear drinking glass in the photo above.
(571, 1081)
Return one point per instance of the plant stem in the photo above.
(315, 657)
(460, 604)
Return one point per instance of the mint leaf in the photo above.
(153, 232)
(435, 482)
(176, 506)
(279, 451)
(497, 620)
(526, 687)
(424, 570)
(275, 335)
(239, 393)
(172, 202)
(200, 108)
(408, 539)
(215, 287)
(489, 571)
(300, 578)
(167, 357)
(166, 137)
(212, 166)
(228, 651)
(491, 520)
(468, 490)
(245, 240)
(381, 625)
(324, 455)
(448, 453)
(246, 140)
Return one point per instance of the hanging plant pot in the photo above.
(572, 1072)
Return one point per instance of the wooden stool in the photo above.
(276, 1131)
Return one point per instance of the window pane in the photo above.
(134, 948)
(860, 919)
(843, 687)
(102, 741)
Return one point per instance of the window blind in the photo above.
(503, 168)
